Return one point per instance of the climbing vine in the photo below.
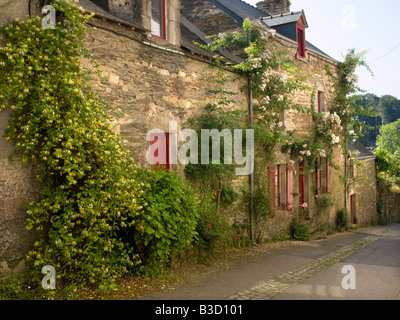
(273, 78)
(96, 209)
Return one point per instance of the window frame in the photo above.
(163, 23)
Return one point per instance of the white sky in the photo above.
(338, 25)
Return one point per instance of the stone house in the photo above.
(154, 74)
(362, 195)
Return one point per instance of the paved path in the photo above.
(312, 271)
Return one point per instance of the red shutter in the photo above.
(272, 188)
(328, 176)
(301, 41)
(160, 150)
(319, 178)
(289, 187)
(301, 183)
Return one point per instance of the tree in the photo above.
(371, 122)
(389, 137)
(389, 106)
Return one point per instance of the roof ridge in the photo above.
(282, 14)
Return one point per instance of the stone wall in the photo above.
(139, 13)
(149, 86)
(151, 83)
(303, 125)
(17, 180)
(365, 191)
(13, 9)
(274, 7)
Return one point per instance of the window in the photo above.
(274, 176)
(159, 151)
(321, 101)
(323, 177)
(158, 22)
(301, 42)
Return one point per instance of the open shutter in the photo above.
(328, 176)
(272, 189)
(301, 183)
(289, 187)
(319, 178)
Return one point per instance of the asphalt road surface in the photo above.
(360, 265)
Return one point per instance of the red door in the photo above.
(353, 219)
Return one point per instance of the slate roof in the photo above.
(190, 33)
(360, 149)
(241, 9)
(281, 19)
(236, 9)
(90, 7)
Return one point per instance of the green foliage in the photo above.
(343, 219)
(389, 137)
(300, 230)
(228, 194)
(389, 106)
(324, 202)
(345, 83)
(91, 192)
(387, 162)
(169, 219)
(371, 122)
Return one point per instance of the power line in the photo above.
(387, 53)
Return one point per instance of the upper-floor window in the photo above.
(158, 21)
(301, 42)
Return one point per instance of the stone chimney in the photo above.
(274, 7)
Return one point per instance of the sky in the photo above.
(335, 26)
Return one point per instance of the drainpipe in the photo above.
(251, 178)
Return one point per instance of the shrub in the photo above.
(343, 219)
(300, 231)
(93, 196)
(168, 223)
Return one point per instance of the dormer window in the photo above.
(301, 42)
(158, 21)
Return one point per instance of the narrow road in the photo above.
(308, 272)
